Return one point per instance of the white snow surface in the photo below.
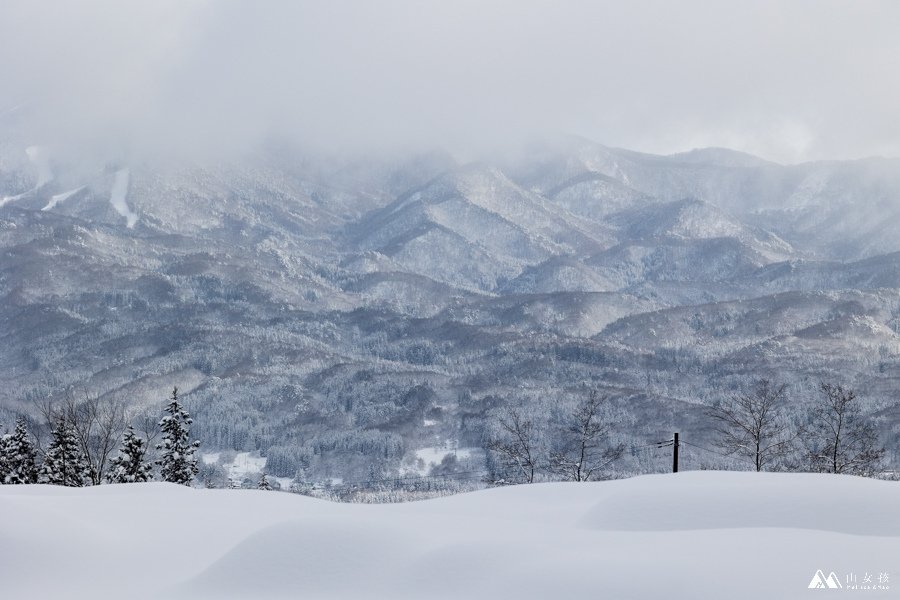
(58, 198)
(210, 458)
(694, 535)
(245, 465)
(117, 197)
(5, 199)
(434, 455)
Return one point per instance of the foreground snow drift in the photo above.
(693, 535)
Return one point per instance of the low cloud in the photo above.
(789, 81)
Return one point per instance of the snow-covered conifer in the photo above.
(4, 463)
(17, 455)
(64, 463)
(129, 465)
(177, 462)
(264, 483)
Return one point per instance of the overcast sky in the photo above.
(789, 81)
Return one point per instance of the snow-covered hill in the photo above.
(473, 228)
(698, 535)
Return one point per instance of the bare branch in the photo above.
(839, 437)
(583, 452)
(753, 426)
(515, 445)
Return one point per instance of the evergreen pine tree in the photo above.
(4, 462)
(264, 483)
(129, 465)
(64, 463)
(177, 463)
(17, 455)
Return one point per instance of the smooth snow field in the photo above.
(692, 535)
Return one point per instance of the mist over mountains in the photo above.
(338, 312)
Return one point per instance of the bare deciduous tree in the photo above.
(839, 437)
(147, 424)
(515, 445)
(753, 426)
(98, 424)
(582, 450)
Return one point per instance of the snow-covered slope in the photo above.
(839, 209)
(697, 220)
(560, 274)
(474, 228)
(742, 536)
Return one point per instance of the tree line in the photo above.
(835, 436)
(91, 441)
(580, 448)
(755, 428)
(83, 437)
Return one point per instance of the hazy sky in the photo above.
(786, 80)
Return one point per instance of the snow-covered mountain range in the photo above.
(309, 306)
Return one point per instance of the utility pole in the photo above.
(675, 454)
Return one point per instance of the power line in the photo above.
(706, 449)
(467, 475)
(470, 475)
